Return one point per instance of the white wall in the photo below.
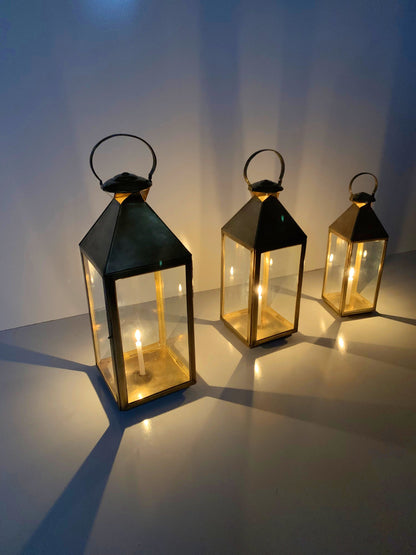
(329, 84)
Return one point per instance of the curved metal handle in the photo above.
(282, 162)
(358, 175)
(122, 135)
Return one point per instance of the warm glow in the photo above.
(341, 343)
(232, 271)
(260, 291)
(351, 273)
(180, 288)
(257, 370)
(138, 337)
(331, 257)
(365, 254)
(271, 262)
(92, 278)
(146, 424)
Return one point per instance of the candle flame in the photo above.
(364, 254)
(232, 271)
(331, 257)
(180, 288)
(138, 336)
(271, 262)
(351, 273)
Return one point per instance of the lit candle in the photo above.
(232, 273)
(331, 257)
(260, 307)
(349, 285)
(139, 350)
(271, 262)
(180, 288)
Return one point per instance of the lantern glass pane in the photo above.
(98, 314)
(277, 291)
(363, 275)
(334, 271)
(154, 331)
(236, 279)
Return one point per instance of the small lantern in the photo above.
(263, 250)
(355, 255)
(138, 277)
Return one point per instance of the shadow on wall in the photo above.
(221, 129)
(397, 166)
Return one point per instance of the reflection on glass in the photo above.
(337, 252)
(363, 275)
(99, 324)
(154, 332)
(277, 291)
(237, 262)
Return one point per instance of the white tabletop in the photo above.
(304, 445)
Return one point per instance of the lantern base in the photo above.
(272, 325)
(357, 304)
(164, 371)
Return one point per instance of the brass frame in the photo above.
(350, 245)
(114, 331)
(254, 282)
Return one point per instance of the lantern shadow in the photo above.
(67, 525)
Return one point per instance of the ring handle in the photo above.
(122, 135)
(282, 163)
(358, 175)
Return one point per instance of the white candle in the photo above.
(349, 286)
(260, 298)
(139, 350)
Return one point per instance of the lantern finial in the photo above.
(265, 186)
(125, 182)
(363, 197)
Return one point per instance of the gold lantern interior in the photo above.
(152, 310)
(352, 274)
(277, 291)
(273, 295)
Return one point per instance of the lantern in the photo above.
(263, 251)
(357, 244)
(138, 277)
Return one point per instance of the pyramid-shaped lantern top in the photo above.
(263, 223)
(359, 222)
(129, 238)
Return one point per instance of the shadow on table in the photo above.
(67, 525)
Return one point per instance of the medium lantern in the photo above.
(263, 251)
(138, 277)
(357, 244)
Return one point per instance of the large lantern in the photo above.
(138, 277)
(263, 251)
(357, 244)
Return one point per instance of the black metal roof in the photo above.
(130, 238)
(359, 224)
(264, 226)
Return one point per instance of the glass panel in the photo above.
(237, 263)
(154, 331)
(334, 271)
(363, 276)
(277, 292)
(98, 315)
